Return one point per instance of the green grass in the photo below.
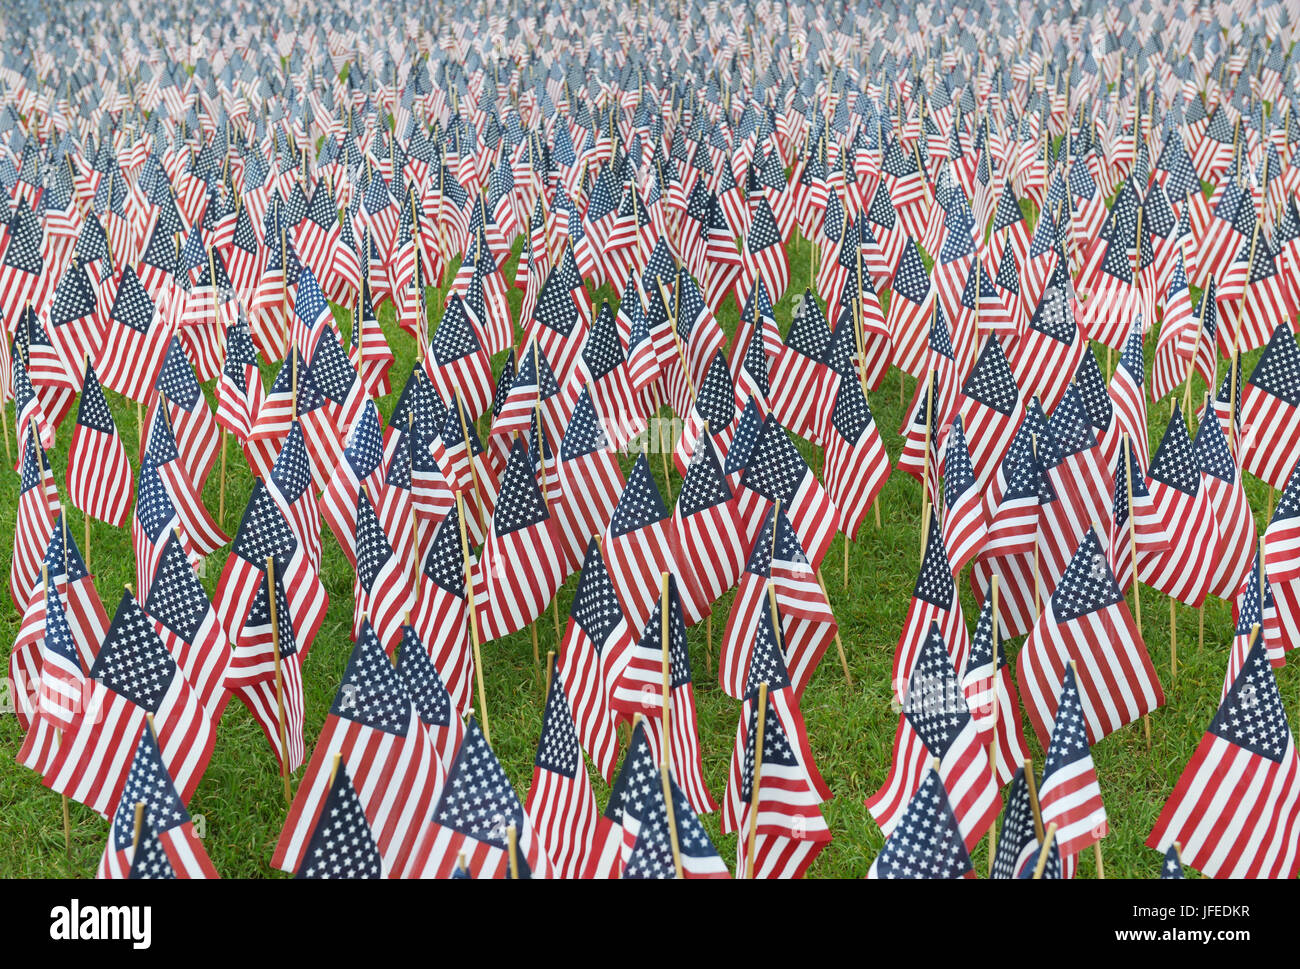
(242, 808)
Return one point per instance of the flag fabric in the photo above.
(927, 842)
(99, 474)
(372, 728)
(992, 697)
(1069, 795)
(341, 843)
(472, 817)
(785, 816)
(936, 723)
(561, 805)
(171, 834)
(636, 545)
(1087, 621)
(134, 678)
(1270, 411)
(777, 472)
(520, 568)
(640, 689)
(1234, 808)
(934, 601)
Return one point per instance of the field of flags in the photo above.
(651, 440)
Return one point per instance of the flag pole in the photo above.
(752, 838)
(1032, 784)
(469, 455)
(473, 618)
(1133, 555)
(672, 815)
(993, 741)
(1042, 852)
(279, 678)
(667, 670)
(512, 840)
(925, 472)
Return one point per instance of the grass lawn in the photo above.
(240, 804)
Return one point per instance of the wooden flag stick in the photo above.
(839, 643)
(1132, 529)
(755, 781)
(469, 456)
(1173, 640)
(667, 669)
(512, 839)
(672, 814)
(993, 740)
(925, 469)
(1032, 783)
(221, 494)
(473, 619)
(1096, 851)
(1042, 852)
(708, 640)
(137, 829)
(279, 678)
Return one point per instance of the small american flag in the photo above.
(561, 804)
(1233, 810)
(342, 844)
(172, 842)
(1086, 620)
(99, 474)
(1069, 794)
(927, 842)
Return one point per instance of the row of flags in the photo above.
(990, 199)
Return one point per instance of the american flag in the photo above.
(911, 304)
(1270, 411)
(1145, 532)
(1087, 621)
(382, 593)
(1180, 331)
(134, 679)
(134, 344)
(75, 317)
(472, 816)
(264, 533)
(1069, 795)
(1233, 810)
(809, 625)
(561, 804)
(991, 409)
(239, 389)
(595, 648)
(521, 565)
(1223, 485)
(268, 687)
(373, 725)
(638, 805)
(1182, 501)
(173, 843)
(1018, 841)
(992, 697)
(1128, 393)
(1282, 536)
(203, 535)
(799, 374)
(99, 474)
(342, 843)
(927, 842)
(185, 620)
(590, 480)
(441, 619)
(1047, 353)
(789, 830)
(429, 694)
(456, 361)
(857, 465)
(29, 412)
(636, 545)
(640, 689)
(706, 533)
(334, 377)
(52, 695)
(963, 516)
(177, 391)
(934, 601)
(362, 466)
(936, 723)
(36, 512)
(777, 472)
